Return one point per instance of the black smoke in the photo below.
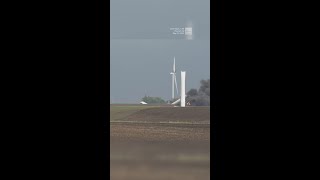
(200, 97)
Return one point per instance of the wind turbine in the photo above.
(174, 79)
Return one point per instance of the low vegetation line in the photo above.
(142, 122)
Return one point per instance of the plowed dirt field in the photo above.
(153, 143)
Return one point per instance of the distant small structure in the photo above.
(142, 102)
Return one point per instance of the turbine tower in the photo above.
(183, 89)
(174, 79)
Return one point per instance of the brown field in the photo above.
(151, 143)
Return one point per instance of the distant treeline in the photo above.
(200, 97)
(153, 100)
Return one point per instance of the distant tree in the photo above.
(153, 100)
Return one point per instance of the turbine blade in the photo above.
(174, 64)
(175, 80)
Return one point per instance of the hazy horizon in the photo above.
(143, 47)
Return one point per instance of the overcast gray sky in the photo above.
(143, 46)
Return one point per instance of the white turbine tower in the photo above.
(183, 89)
(183, 96)
(174, 79)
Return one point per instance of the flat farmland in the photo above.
(154, 142)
